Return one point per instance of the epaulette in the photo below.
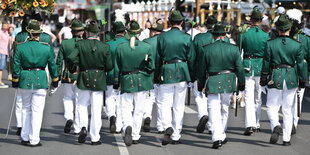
(146, 42)
(206, 45)
(21, 43)
(44, 43)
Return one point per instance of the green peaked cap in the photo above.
(176, 16)
(211, 20)
(256, 14)
(218, 29)
(34, 27)
(134, 27)
(157, 27)
(92, 26)
(77, 25)
(118, 27)
(283, 23)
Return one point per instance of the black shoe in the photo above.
(275, 134)
(128, 138)
(225, 141)
(167, 136)
(248, 131)
(160, 132)
(175, 142)
(146, 125)
(112, 124)
(19, 130)
(24, 142)
(68, 126)
(118, 132)
(256, 130)
(217, 144)
(202, 124)
(135, 142)
(210, 132)
(36, 145)
(286, 143)
(82, 135)
(96, 143)
(293, 130)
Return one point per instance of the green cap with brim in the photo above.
(77, 25)
(283, 23)
(211, 20)
(134, 27)
(92, 26)
(218, 29)
(256, 14)
(176, 16)
(118, 27)
(33, 27)
(157, 27)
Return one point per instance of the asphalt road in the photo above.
(56, 142)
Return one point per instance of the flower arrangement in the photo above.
(20, 7)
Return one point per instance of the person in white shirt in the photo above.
(65, 31)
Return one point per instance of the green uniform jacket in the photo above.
(203, 39)
(113, 45)
(110, 36)
(94, 59)
(217, 57)
(153, 41)
(175, 45)
(33, 54)
(66, 48)
(280, 51)
(132, 72)
(305, 42)
(253, 44)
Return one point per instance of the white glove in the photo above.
(116, 91)
(264, 89)
(190, 85)
(201, 94)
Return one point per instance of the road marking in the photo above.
(265, 108)
(189, 110)
(121, 145)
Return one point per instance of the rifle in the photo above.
(298, 102)
(103, 24)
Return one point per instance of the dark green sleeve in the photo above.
(150, 64)
(266, 64)
(59, 60)
(302, 74)
(191, 56)
(17, 64)
(116, 67)
(73, 59)
(52, 67)
(159, 61)
(108, 60)
(239, 68)
(202, 71)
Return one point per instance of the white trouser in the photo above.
(18, 109)
(159, 122)
(95, 99)
(219, 111)
(113, 106)
(253, 101)
(70, 98)
(173, 96)
(295, 117)
(275, 99)
(133, 102)
(150, 99)
(32, 110)
(201, 102)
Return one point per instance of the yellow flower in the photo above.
(3, 6)
(35, 4)
(13, 13)
(21, 13)
(54, 4)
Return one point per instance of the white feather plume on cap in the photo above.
(294, 14)
(120, 16)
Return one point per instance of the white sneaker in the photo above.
(2, 85)
(242, 104)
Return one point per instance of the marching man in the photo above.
(216, 74)
(69, 80)
(29, 75)
(93, 59)
(282, 78)
(133, 68)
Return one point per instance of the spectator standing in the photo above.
(4, 50)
